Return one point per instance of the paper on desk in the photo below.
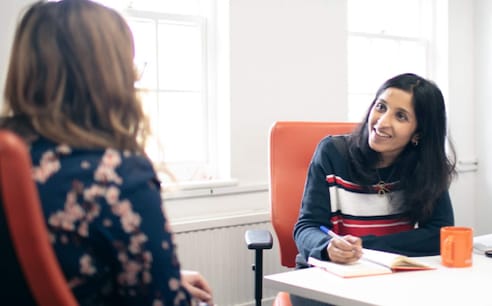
(482, 243)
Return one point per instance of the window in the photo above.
(175, 54)
(385, 38)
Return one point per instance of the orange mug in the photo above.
(456, 246)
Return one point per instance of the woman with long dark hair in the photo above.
(386, 184)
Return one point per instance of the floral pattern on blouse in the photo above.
(107, 225)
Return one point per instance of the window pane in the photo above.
(144, 35)
(181, 127)
(358, 106)
(413, 57)
(180, 57)
(371, 61)
(154, 146)
(380, 59)
(388, 17)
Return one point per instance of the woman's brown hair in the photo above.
(71, 76)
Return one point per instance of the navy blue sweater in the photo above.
(332, 198)
(107, 224)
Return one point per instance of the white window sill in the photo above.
(215, 205)
(210, 188)
(210, 222)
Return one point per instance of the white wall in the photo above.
(483, 110)
(460, 98)
(287, 62)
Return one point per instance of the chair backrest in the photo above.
(30, 270)
(292, 144)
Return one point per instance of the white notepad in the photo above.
(482, 243)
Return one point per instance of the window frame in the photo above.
(427, 40)
(216, 158)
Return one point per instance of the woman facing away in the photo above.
(385, 186)
(70, 94)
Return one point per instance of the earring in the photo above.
(415, 142)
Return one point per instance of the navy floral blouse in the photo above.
(107, 225)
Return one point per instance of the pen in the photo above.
(333, 235)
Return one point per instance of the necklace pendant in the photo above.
(382, 189)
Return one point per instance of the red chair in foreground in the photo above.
(291, 148)
(31, 274)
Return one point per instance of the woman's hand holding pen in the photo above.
(346, 249)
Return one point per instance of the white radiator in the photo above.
(221, 255)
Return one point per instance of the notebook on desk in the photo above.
(372, 263)
(482, 244)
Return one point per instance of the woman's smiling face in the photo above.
(392, 124)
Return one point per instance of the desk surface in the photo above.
(443, 286)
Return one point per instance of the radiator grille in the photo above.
(221, 255)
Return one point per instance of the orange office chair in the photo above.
(292, 145)
(31, 274)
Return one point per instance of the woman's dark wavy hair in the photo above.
(425, 170)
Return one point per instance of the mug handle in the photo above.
(448, 249)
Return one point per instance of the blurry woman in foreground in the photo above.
(70, 94)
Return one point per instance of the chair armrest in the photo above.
(258, 239)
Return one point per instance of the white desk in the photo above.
(443, 286)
